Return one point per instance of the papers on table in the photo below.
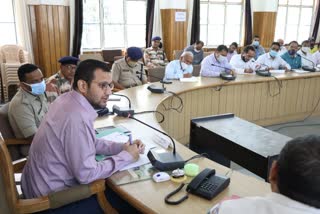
(191, 79)
(300, 71)
(277, 71)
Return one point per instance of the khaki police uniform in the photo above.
(128, 76)
(25, 114)
(56, 85)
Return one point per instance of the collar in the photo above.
(288, 202)
(79, 98)
(29, 98)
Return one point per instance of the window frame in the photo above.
(14, 23)
(225, 4)
(300, 7)
(102, 26)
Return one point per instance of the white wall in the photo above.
(264, 6)
(173, 4)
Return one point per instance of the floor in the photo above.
(296, 129)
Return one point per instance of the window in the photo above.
(7, 23)
(220, 21)
(113, 24)
(294, 20)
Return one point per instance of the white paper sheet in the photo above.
(277, 71)
(191, 79)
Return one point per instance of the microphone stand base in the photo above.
(165, 161)
(156, 89)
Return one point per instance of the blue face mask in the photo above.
(37, 88)
(273, 53)
(256, 43)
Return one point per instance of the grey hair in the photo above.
(187, 53)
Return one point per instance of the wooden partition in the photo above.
(174, 32)
(50, 35)
(264, 25)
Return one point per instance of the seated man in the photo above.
(305, 53)
(256, 44)
(28, 106)
(244, 62)
(232, 50)
(272, 60)
(216, 63)
(63, 150)
(60, 82)
(294, 180)
(197, 51)
(128, 72)
(291, 56)
(180, 68)
(313, 46)
(154, 56)
(283, 49)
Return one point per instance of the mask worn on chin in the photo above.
(273, 53)
(132, 64)
(196, 50)
(291, 52)
(183, 66)
(37, 88)
(256, 43)
(305, 49)
(244, 59)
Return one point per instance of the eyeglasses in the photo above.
(104, 85)
(70, 67)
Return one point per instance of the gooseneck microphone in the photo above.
(153, 88)
(123, 111)
(265, 72)
(305, 67)
(224, 75)
(163, 161)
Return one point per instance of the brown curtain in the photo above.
(78, 22)
(316, 23)
(195, 26)
(149, 21)
(247, 23)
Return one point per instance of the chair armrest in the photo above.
(14, 141)
(18, 165)
(33, 205)
(97, 186)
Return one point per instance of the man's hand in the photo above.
(187, 75)
(140, 145)
(132, 150)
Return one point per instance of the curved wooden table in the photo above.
(248, 97)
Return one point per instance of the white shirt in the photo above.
(316, 57)
(305, 62)
(239, 65)
(274, 63)
(273, 203)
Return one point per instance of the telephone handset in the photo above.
(207, 184)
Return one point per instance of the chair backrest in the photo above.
(177, 54)
(108, 55)
(5, 127)
(196, 70)
(8, 191)
(156, 74)
(205, 54)
(117, 58)
(12, 54)
(95, 56)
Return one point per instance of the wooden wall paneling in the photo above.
(52, 45)
(316, 96)
(187, 112)
(244, 101)
(305, 95)
(250, 102)
(264, 25)
(230, 99)
(181, 118)
(64, 30)
(283, 98)
(311, 94)
(223, 100)
(207, 103)
(33, 26)
(57, 37)
(174, 33)
(276, 102)
(194, 104)
(237, 100)
(300, 95)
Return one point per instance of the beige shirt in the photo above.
(128, 76)
(26, 112)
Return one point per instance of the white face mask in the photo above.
(197, 51)
(184, 66)
(305, 49)
(221, 58)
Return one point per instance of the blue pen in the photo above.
(130, 137)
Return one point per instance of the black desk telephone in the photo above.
(206, 184)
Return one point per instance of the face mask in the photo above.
(291, 52)
(183, 66)
(221, 58)
(273, 53)
(132, 64)
(256, 43)
(197, 51)
(37, 88)
(305, 49)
